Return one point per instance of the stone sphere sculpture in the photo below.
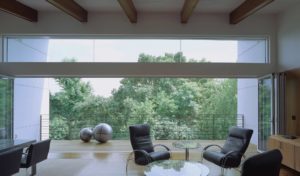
(86, 134)
(102, 132)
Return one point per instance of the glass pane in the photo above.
(265, 112)
(6, 102)
(175, 108)
(132, 50)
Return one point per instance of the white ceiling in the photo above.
(168, 6)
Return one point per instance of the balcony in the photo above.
(75, 158)
(109, 158)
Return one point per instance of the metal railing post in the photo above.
(213, 127)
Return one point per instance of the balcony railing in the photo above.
(206, 126)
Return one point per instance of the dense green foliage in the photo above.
(265, 109)
(6, 109)
(176, 108)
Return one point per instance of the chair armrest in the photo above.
(212, 145)
(25, 150)
(24, 157)
(161, 145)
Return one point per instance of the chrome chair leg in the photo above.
(222, 171)
(130, 157)
(201, 159)
(33, 169)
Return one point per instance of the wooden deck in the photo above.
(75, 158)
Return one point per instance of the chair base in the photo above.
(130, 157)
(222, 171)
(33, 171)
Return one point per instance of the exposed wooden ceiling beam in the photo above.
(246, 9)
(187, 10)
(18, 9)
(129, 9)
(72, 8)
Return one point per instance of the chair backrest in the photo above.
(38, 152)
(140, 137)
(238, 140)
(266, 164)
(10, 162)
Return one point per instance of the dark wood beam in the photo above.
(187, 10)
(246, 9)
(72, 8)
(129, 9)
(18, 9)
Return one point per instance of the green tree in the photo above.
(176, 108)
(6, 108)
(184, 102)
(59, 128)
(63, 103)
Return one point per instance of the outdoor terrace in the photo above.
(75, 158)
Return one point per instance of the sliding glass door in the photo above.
(6, 108)
(266, 122)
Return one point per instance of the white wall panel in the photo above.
(247, 97)
(248, 105)
(289, 39)
(31, 96)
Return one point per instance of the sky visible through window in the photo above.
(116, 50)
(128, 50)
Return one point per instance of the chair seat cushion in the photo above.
(159, 155)
(214, 157)
(218, 158)
(142, 160)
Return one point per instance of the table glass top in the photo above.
(176, 168)
(186, 144)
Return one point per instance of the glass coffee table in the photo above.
(176, 168)
(187, 145)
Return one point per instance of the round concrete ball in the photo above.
(102, 132)
(86, 134)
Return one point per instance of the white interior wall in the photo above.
(31, 95)
(248, 88)
(288, 39)
(247, 96)
(30, 101)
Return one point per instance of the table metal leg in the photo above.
(33, 170)
(187, 154)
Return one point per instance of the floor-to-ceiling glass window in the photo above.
(6, 108)
(265, 111)
(188, 51)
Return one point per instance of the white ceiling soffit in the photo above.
(168, 6)
(207, 70)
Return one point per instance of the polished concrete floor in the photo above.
(75, 158)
